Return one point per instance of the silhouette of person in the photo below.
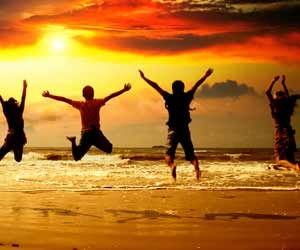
(178, 106)
(282, 106)
(91, 134)
(15, 138)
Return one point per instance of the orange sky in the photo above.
(61, 46)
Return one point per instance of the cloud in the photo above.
(14, 35)
(160, 27)
(18, 9)
(230, 89)
(164, 45)
(183, 15)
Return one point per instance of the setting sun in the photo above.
(150, 124)
(58, 44)
(56, 39)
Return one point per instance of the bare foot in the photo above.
(288, 165)
(198, 173)
(173, 171)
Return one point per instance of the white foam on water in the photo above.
(114, 172)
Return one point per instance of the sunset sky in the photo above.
(63, 45)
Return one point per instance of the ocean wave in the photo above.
(57, 157)
(143, 157)
(144, 169)
(67, 156)
(221, 155)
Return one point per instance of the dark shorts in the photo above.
(95, 138)
(182, 136)
(285, 144)
(15, 140)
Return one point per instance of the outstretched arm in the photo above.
(57, 98)
(269, 90)
(151, 83)
(200, 81)
(284, 86)
(22, 105)
(126, 88)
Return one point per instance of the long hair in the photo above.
(283, 106)
(11, 106)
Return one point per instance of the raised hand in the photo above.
(127, 86)
(25, 84)
(209, 72)
(141, 73)
(46, 93)
(276, 78)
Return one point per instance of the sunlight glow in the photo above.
(56, 40)
(55, 43)
(58, 44)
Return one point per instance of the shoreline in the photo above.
(163, 189)
(150, 219)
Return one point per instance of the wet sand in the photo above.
(152, 219)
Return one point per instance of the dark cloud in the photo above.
(174, 27)
(284, 13)
(188, 14)
(153, 27)
(258, 1)
(230, 88)
(166, 45)
(147, 11)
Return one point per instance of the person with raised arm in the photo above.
(178, 105)
(15, 138)
(282, 106)
(91, 134)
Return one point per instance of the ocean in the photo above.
(143, 168)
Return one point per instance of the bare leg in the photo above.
(18, 152)
(288, 165)
(170, 163)
(3, 151)
(77, 151)
(195, 162)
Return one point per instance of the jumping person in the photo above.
(178, 106)
(282, 108)
(16, 138)
(89, 109)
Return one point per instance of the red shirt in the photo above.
(89, 112)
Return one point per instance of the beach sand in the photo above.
(150, 219)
